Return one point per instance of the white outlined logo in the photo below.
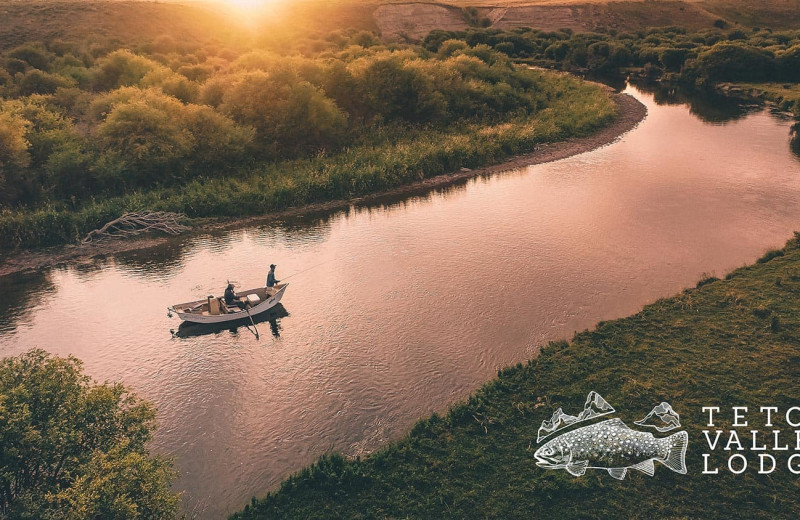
(611, 445)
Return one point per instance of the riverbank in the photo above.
(630, 112)
(725, 343)
(784, 96)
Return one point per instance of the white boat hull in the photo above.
(238, 314)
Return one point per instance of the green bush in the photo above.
(34, 54)
(121, 69)
(68, 446)
(35, 81)
(103, 131)
(734, 62)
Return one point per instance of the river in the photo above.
(402, 307)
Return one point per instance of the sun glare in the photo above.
(246, 4)
(250, 10)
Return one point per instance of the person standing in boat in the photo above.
(232, 299)
(271, 281)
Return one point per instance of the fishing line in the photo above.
(305, 270)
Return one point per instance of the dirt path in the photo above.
(631, 113)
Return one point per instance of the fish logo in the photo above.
(612, 445)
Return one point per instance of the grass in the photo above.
(390, 159)
(785, 95)
(124, 22)
(731, 342)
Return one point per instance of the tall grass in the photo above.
(391, 157)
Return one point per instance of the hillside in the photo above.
(128, 21)
(414, 20)
(124, 21)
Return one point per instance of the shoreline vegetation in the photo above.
(396, 156)
(628, 113)
(90, 134)
(755, 63)
(731, 342)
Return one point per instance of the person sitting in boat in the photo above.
(271, 281)
(232, 299)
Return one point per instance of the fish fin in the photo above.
(676, 458)
(616, 421)
(618, 473)
(577, 469)
(646, 467)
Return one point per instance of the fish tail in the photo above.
(676, 454)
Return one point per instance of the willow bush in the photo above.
(228, 132)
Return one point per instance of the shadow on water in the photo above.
(314, 226)
(164, 258)
(794, 139)
(706, 105)
(272, 317)
(22, 293)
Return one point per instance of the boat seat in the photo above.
(214, 306)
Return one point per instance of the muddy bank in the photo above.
(631, 112)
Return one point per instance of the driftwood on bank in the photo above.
(137, 222)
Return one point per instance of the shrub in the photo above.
(69, 445)
(144, 143)
(34, 55)
(219, 141)
(673, 59)
(288, 114)
(788, 63)
(171, 83)
(769, 255)
(36, 81)
(121, 68)
(732, 62)
(13, 145)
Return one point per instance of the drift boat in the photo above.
(214, 310)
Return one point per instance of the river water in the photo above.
(403, 307)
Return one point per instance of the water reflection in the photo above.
(707, 105)
(21, 294)
(272, 318)
(161, 260)
(794, 139)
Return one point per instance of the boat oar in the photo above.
(252, 322)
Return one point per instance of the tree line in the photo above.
(78, 122)
(714, 55)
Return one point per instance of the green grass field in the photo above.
(732, 342)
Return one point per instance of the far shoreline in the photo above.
(630, 113)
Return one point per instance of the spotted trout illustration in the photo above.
(612, 446)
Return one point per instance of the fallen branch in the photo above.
(138, 222)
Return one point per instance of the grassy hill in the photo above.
(128, 21)
(413, 20)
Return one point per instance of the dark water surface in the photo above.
(410, 305)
